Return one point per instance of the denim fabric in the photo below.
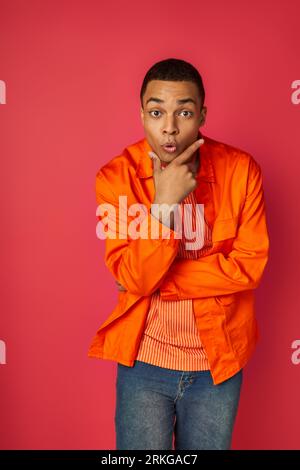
(165, 409)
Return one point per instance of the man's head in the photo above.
(172, 106)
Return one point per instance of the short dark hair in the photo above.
(176, 70)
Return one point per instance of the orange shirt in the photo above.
(221, 284)
(171, 338)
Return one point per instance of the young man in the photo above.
(185, 325)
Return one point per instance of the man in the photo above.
(185, 326)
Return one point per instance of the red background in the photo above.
(73, 72)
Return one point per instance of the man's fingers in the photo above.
(156, 162)
(120, 287)
(186, 155)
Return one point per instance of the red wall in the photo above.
(73, 71)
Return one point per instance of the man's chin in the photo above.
(165, 160)
(168, 157)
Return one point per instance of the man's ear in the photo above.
(142, 115)
(203, 115)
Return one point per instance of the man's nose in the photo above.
(170, 126)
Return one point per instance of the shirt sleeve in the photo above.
(241, 269)
(139, 264)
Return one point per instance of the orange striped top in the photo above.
(171, 338)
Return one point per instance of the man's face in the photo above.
(170, 120)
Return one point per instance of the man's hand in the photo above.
(120, 287)
(177, 180)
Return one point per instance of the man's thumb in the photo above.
(156, 161)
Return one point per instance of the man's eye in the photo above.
(191, 114)
(156, 111)
(153, 112)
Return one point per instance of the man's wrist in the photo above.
(165, 213)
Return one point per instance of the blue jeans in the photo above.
(158, 407)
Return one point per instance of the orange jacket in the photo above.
(220, 282)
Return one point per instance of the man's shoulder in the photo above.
(222, 153)
(118, 175)
(125, 162)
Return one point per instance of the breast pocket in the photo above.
(224, 229)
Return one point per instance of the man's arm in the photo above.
(242, 269)
(140, 264)
(137, 264)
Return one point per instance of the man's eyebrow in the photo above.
(182, 101)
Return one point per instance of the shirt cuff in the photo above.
(168, 290)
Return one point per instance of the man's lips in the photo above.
(170, 142)
(170, 147)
